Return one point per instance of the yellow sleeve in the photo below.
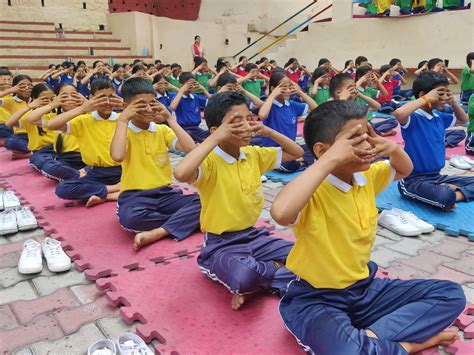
(380, 174)
(207, 172)
(6, 103)
(170, 136)
(75, 127)
(268, 158)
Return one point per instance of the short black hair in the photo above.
(94, 65)
(117, 67)
(394, 61)
(337, 81)
(101, 84)
(360, 59)
(137, 67)
(432, 63)
(81, 62)
(469, 59)
(136, 86)
(250, 66)
(226, 78)
(427, 81)
(19, 78)
(347, 62)
(196, 37)
(175, 66)
(325, 122)
(277, 76)
(319, 72)
(420, 64)
(242, 58)
(185, 76)
(218, 106)
(38, 89)
(5, 72)
(135, 61)
(384, 68)
(158, 61)
(323, 61)
(198, 61)
(58, 88)
(157, 78)
(361, 71)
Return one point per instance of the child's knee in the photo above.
(127, 218)
(64, 190)
(446, 196)
(455, 296)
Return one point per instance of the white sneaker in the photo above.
(55, 256)
(469, 161)
(132, 344)
(8, 222)
(414, 220)
(459, 162)
(398, 224)
(102, 347)
(25, 219)
(30, 259)
(263, 178)
(10, 201)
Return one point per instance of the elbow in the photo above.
(179, 174)
(300, 152)
(279, 214)
(117, 157)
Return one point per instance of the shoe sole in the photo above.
(28, 227)
(64, 268)
(8, 231)
(31, 271)
(403, 234)
(9, 208)
(458, 167)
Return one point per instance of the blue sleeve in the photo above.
(448, 119)
(299, 108)
(202, 100)
(411, 124)
(171, 95)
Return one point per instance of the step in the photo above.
(27, 25)
(18, 61)
(54, 34)
(64, 51)
(25, 41)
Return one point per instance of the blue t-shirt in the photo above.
(53, 83)
(398, 78)
(166, 99)
(188, 112)
(66, 79)
(83, 89)
(283, 118)
(117, 84)
(424, 136)
(304, 82)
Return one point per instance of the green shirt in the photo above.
(173, 81)
(405, 5)
(467, 79)
(203, 79)
(470, 111)
(321, 96)
(254, 86)
(451, 3)
(369, 92)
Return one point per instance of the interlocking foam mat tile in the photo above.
(455, 223)
(377, 114)
(13, 167)
(278, 176)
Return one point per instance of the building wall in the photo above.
(68, 12)
(175, 9)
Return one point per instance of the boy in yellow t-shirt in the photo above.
(227, 172)
(6, 78)
(93, 125)
(336, 305)
(147, 204)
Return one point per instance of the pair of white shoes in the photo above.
(8, 201)
(461, 162)
(19, 219)
(404, 223)
(31, 259)
(128, 344)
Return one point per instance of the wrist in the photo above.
(426, 100)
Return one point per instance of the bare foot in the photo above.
(2, 142)
(16, 156)
(82, 173)
(94, 200)
(444, 338)
(143, 238)
(237, 301)
(113, 188)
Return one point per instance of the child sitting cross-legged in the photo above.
(147, 204)
(424, 131)
(227, 172)
(337, 305)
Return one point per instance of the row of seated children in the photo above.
(409, 7)
(312, 275)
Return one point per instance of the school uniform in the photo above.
(470, 128)
(254, 86)
(321, 96)
(166, 99)
(40, 142)
(388, 106)
(5, 131)
(146, 199)
(283, 118)
(66, 79)
(94, 135)
(467, 85)
(118, 84)
(336, 297)
(398, 93)
(16, 139)
(294, 75)
(188, 115)
(424, 136)
(83, 89)
(173, 81)
(235, 253)
(53, 83)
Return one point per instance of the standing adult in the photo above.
(196, 49)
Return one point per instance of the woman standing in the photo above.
(196, 49)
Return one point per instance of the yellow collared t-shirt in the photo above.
(147, 165)
(336, 229)
(37, 140)
(69, 142)
(9, 105)
(231, 190)
(94, 135)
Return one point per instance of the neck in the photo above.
(230, 149)
(140, 124)
(105, 116)
(426, 108)
(343, 175)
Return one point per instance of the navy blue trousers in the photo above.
(17, 143)
(384, 126)
(41, 157)
(5, 131)
(295, 165)
(197, 133)
(334, 322)
(402, 94)
(470, 143)
(433, 189)
(93, 184)
(163, 207)
(388, 107)
(64, 167)
(454, 137)
(244, 261)
(465, 96)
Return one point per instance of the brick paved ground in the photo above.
(63, 313)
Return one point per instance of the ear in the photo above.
(320, 148)
(212, 129)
